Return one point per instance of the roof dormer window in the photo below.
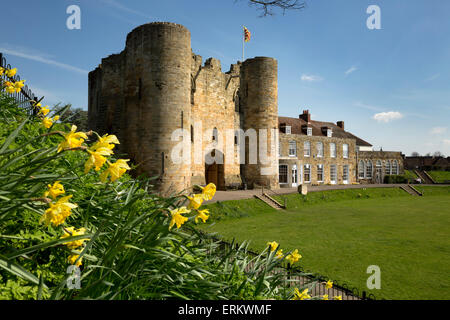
(329, 133)
(288, 129)
(309, 131)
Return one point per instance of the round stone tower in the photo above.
(259, 100)
(157, 97)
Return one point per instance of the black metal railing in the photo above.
(299, 277)
(25, 96)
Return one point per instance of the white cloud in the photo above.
(387, 116)
(433, 77)
(123, 8)
(366, 106)
(43, 58)
(310, 78)
(352, 69)
(438, 130)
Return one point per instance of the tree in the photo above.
(438, 154)
(267, 6)
(76, 116)
(415, 154)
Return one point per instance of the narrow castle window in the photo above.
(192, 133)
(215, 133)
(182, 119)
(140, 89)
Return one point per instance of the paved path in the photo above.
(247, 194)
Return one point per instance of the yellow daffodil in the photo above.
(70, 231)
(325, 297)
(301, 296)
(329, 284)
(58, 212)
(273, 245)
(116, 170)
(73, 257)
(209, 191)
(202, 214)
(2, 70)
(279, 254)
(48, 122)
(72, 139)
(107, 141)
(11, 73)
(36, 105)
(10, 89)
(96, 159)
(293, 257)
(195, 201)
(18, 85)
(54, 190)
(337, 298)
(45, 110)
(177, 217)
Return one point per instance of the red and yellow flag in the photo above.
(247, 35)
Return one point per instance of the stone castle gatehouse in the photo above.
(157, 85)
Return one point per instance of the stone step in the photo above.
(424, 176)
(269, 201)
(411, 190)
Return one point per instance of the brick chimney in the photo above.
(306, 116)
(340, 124)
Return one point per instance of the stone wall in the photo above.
(213, 101)
(300, 160)
(380, 157)
(259, 101)
(157, 85)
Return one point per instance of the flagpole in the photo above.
(243, 42)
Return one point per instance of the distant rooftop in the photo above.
(304, 119)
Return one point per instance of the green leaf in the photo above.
(12, 136)
(18, 270)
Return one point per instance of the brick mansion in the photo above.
(157, 85)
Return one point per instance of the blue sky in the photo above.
(390, 86)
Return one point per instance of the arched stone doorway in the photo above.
(215, 173)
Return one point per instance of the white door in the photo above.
(294, 176)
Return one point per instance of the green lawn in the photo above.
(341, 232)
(440, 176)
(410, 175)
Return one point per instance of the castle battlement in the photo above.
(157, 85)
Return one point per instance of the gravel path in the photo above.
(247, 194)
